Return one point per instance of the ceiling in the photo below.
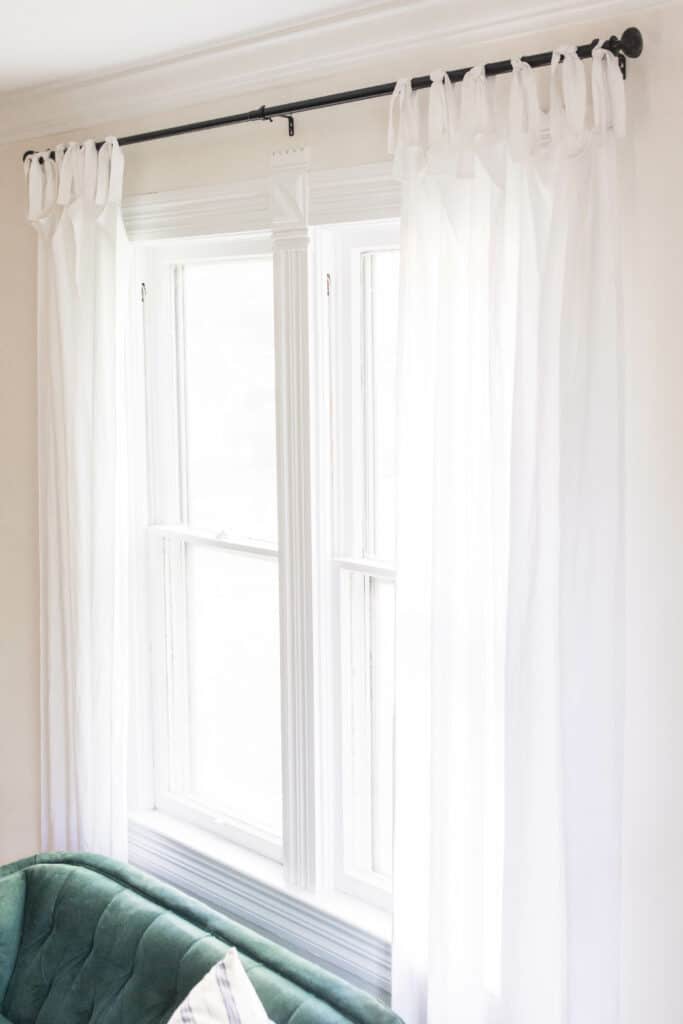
(48, 41)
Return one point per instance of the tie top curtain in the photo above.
(74, 202)
(78, 172)
(509, 579)
(463, 120)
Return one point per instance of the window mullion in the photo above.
(291, 274)
(181, 388)
(366, 269)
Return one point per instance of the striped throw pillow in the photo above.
(223, 996)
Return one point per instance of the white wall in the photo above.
(653, 226)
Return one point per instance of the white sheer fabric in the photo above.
(509, 580)
(74, 203)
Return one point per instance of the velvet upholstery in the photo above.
(86, 940)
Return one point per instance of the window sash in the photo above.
(172, 775)
(341, 439)
(170, 535)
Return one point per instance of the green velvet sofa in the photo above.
(86, 940)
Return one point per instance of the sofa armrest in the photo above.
(12, 899)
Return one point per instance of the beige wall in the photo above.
(19, 718)
(653, 226)
(653, 865)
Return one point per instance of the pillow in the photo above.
(223, 996)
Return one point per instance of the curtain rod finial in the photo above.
(632, 42)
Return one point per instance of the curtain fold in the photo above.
(74, 202)
(509, 550)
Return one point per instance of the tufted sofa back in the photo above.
(85, 940)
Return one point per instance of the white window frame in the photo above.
(337, 251)
(170, 536)
(285, 206)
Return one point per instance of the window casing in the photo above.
(204, 545)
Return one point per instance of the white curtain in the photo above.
(83, 292)
(509, 560)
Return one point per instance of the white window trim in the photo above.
(350, 941)
(291, 245)
(359, 952)
(341, 195)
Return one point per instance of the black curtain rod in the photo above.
(629, 45)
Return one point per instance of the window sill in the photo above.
(341, 934)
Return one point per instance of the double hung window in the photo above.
(216, 525)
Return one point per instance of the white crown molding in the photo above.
(345, 949)
(305, 51)
(367, 192)
(202, 76)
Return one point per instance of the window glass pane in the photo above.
(230, 397)
(379, 342)
(367, 698)
(234, 686)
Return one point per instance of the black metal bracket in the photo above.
(263, 114)
(290, 124)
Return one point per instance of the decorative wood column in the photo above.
(290, 191)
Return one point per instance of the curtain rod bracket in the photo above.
(263, 114)
(290, 123)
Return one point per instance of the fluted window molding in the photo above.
(291, 243)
